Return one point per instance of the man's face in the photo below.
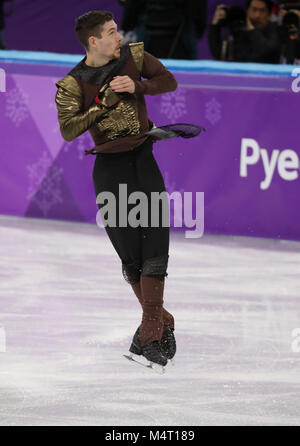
(109, 43)
(258, 13)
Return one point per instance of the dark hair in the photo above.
(90, 24)
(269, 4)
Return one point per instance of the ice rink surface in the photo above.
(68, 317)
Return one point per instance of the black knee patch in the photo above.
(156, 266)
(131, 272)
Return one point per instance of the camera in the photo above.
(291, 21)
(235, 19)
(288, 6)
(290, 32)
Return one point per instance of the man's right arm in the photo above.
(215, 41)
(260, 46)
(69, 102)
(214, 32)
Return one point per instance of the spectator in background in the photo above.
(171, 27)
(133, 20)
(289, 21)
(2, 21)
(252, 39)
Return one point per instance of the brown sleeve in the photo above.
(159, 79)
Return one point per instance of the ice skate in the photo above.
(149, 356)
(168, 344)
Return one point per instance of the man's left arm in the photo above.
(263, 47)
(158, 79)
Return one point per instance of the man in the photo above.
(257, 42)
(2, 21)
(104, 94)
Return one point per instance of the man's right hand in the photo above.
(282, 13)
(220, 14)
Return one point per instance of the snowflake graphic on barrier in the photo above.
(16, 106)
(213, 111)
(84, 142)
(44, 184)
(36, 173)
(170, 186)
(52, 108)
(55, 128)
(174, 104)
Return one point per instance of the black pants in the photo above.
(142, 250)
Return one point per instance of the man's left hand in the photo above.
(250, 25)
(296, 11)
(122, 84)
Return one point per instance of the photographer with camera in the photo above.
(245, 36)
(289, 21)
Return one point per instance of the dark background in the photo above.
(45, 25)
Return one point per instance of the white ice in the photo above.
(69, 316)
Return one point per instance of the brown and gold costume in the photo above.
(122, 128)
(124, 155)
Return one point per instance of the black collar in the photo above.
(100, 75)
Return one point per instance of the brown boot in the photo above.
(168, 319)
(151, 328)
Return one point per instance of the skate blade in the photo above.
(157, 368)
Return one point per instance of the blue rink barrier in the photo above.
(195, 66)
